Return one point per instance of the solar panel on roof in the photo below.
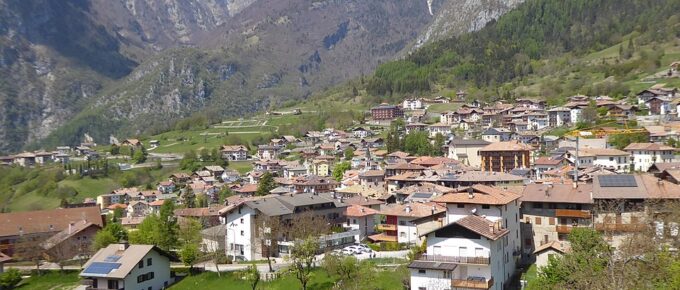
(422, 195)
(617, 181)
(112, 258)
(101, 268)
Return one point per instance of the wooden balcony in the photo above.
(386, 227)
(620, 227)
(584, 214)
(472, 283)
(454, 259)
(563, 229)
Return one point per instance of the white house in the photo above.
(575, 114)
(361, 218)
(439, 128)
(122, 266)
(646, 154)
(552, 249)
(399, 223)
(477, 246)
(241, 221)
(466, 151)
(559, 116)
(609, 158)
(137, 209)
(412, 104)
(493, 135)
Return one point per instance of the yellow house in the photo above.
(321, 168)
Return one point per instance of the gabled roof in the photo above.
(648, 146)
(67, 233)
(414, 209)
(481, 194)
(468, 142)
(558, 193)
(555, 245)
(359, 211)
(478, 225)
(645, 187)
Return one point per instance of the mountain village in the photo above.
(498, 194)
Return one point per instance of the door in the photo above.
(479, 252)
(462, 252)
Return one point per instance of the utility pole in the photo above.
(576, 161)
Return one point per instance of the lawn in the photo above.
(441, 108)
(208, 281)
(89, 187)
(386, 280)
(53, 280)
(241, 166)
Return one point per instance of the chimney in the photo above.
(433, 209)
(363, 210)
(491, 228)
(408, 208)
(70, 227)
(471, 193)
(123, 246)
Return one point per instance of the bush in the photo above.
(10, 279)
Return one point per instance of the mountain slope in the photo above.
(78, 60)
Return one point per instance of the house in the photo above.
(559, 116)
(398, 225)
(267, 152)
(73, 241)
(493, 135)
(544, 164)
(386, 112)
(609, 158)
(180, 178)
(412, 104)
(25, 159)
(215, 171)
(476, 247)
(241, 221)
(644, 155)
(319, 168)
(360, 132)
(551, 211)
(166, 187)
(138, 209)
(314, 184)
(134, 143)
(466, 151)
(439, 128)
(505, 156)
(551, 249)
(361, 218)
(234, 152)
(39, 225)
(123, 266)
(372, 178)
(659, 105)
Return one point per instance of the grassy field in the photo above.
(89, 187)
(53, 280)
(241, 166)
(440, 108)
(386, 280)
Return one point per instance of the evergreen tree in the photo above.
(266, 184)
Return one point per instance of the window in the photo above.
(242, 221)
(421, 271)
(113, 284)
(144, 277)
(402, 223)
(402, 234)
(537, 205)
(460, 205)
(243, 233)
(148, 262)
(527, 242)
(538, 220)
(141, 264)
(551, 221)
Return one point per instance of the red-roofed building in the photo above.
(361, 218)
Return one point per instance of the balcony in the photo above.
(563, 229)
(619, 227)
(472, 283)
(454, 259)
(584, 214)
(386, 227)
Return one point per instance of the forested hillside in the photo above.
(517, 45)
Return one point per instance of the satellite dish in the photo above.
(473, 211)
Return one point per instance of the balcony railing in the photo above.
(454, 259)
(584, 214)
(386, 227)
(472, 283)
(619, 227)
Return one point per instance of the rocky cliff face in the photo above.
(130, 66)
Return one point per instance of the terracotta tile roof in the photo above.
(647, 187)
(590, 152)
(43, 221)
(398, 154)
(556, 245)
(158, 202)
(480, 225)
(372, 173)
(415, 209)
(648, 146)
(198, 212)
(482, 194)
(116, 205)
(248, 188)
(543, 160)
(233, 148)
(382, 237)
(405, 166)
(513, 145)
(359, 211)
(558, 193)
(429, 161)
